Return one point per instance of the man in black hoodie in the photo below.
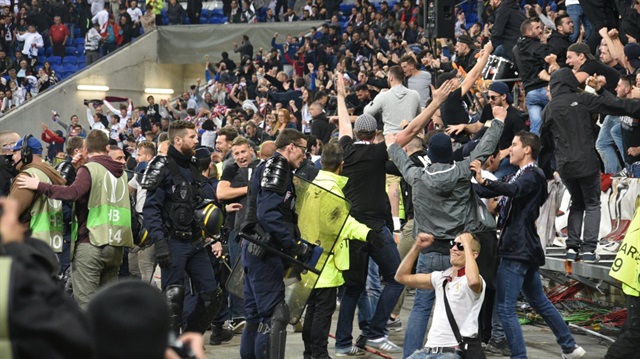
(567, 118)
(504, 32)
(529, 54)
(559, 41)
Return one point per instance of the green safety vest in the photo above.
(46, 215)
(109, 220)
(5, 292)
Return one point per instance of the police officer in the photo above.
(271, 218)
(44, 216)
(173, 190)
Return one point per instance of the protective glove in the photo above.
(163, 255)
(302, 251)
(375, 239)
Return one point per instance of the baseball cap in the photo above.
(365, 124)
(632, 52)
(466, 39)
(32, 143)
(581, 48)
(502, 89)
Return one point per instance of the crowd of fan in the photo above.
(379, 51)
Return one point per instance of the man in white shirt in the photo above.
(465, 293)
(135, 12)
(101, 17)
(32, 42)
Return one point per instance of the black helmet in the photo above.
(209, 218)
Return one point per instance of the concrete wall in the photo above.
(170, 57)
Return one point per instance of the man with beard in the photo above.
(174, 189)
(559, 41)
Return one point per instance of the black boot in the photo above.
(220, 334)
(175, 299)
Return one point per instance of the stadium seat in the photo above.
(69, 68)
(79, 41)
(69, 60)
(60, 76)
(80, 49)
(68, 74)
(81, 65)
(69, 41)
(77, 32)
(41, 52)
(215, 20)
(70, 51)
(165, 20)
(48, 51)
(56, 68)
(163, 12)
(54, 60)
(218, 12)
(206, 13)
(81, 60)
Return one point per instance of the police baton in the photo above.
(278, 253)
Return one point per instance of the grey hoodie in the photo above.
(397, 104)
(443, 206)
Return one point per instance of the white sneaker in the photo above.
(384, 344)
(577, 352)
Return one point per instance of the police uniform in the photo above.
(271, 216)
(173, 191)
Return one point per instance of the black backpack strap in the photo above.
(452, 320)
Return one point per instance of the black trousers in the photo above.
(627, 346)
(317, 321)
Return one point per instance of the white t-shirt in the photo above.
(465, 305)
(141, 194)
(135, 14)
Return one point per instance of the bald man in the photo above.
(267, 149)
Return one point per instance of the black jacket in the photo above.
(322, 128)
(567, 119)
(519, 239)
(558, 44)
(466, 62)
(506, 28)
(529, 56)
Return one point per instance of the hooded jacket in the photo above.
(506, 29)
(26, 196)
(559, 44)
(395, 105)
(79, 191)
(567, 119)
(442, 192)
(529, 54)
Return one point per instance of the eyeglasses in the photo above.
(493, 98)
(456, 244)
(303, 148)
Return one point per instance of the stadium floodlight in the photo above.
(93, 88)
(158, 91)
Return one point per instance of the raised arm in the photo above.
(438, 97)
(403, 274)
(476, 71)
(344, 121)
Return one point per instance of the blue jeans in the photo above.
(576, 15)
(536, 100)
(606, 144)
(497, 331)
(515, 276)
(423, 302)
(502, 52)
(388, 259)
